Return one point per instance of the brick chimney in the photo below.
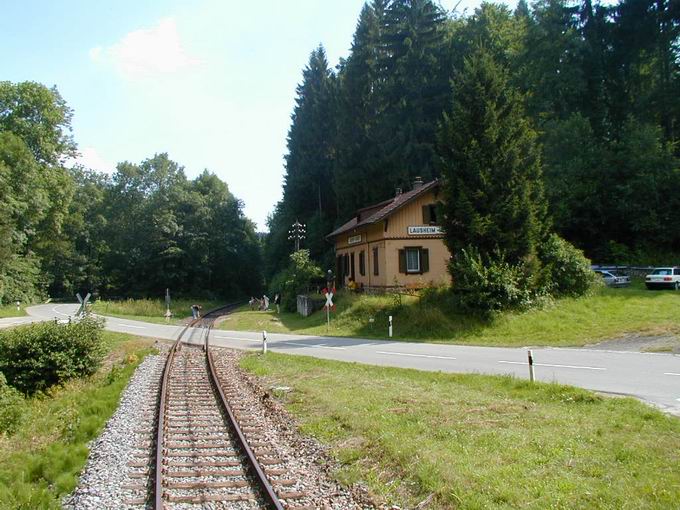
(397, 192)
(417, 182)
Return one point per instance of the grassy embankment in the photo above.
(41, 461)
(473, 442)
(152, 310)
(11, 311)
(608, 313)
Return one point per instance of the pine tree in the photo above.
(493, 188)
(415, 83)
(359, 107)
(308, 190)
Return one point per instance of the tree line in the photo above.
(135, 233)
(597, 84)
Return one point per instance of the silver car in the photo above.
(613, 278)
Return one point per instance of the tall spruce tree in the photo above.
(308, 190)
(415, 83)
(359, 107)
(493, 188)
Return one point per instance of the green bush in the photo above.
(11, 406)
(567, 271)
(490, 284)
(295, 279)
(38, 356)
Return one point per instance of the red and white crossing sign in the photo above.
(329, 299)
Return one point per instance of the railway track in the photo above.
(209, 451)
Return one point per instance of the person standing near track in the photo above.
(195, 311)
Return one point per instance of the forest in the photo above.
(598, 83)
(591, 90)
(135, 233)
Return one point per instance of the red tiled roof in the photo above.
(388, 207)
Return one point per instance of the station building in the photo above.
(398, 242)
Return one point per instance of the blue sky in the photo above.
(210, 82)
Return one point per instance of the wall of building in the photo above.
(439, 257)
(391, 237)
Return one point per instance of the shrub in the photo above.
(490, 284)
(295, 279)
(38, 356)
(567, 271)
(11, 406)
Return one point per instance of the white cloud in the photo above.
(147, 52)
(90, 158)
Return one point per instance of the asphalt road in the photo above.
(652, 377)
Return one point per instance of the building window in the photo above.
(412, 260)
(430, 214)
(375, 261)
(362, 263)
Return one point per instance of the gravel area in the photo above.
(106, 482)
(116, 475)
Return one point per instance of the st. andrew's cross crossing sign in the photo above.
(329, 299)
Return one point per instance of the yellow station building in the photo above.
(397, 242)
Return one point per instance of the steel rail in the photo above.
(158, 482)
(271, 499)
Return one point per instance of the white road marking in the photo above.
(670, 373)
(550, 365)
(58, 312)
(235, 338)
(130, 325)
(316, 346)
(414, 355)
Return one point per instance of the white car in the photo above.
(664, 278)
(613, 278)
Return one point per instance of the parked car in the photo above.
(664, 278)
(614, 278)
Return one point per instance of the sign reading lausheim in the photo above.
(419, 230)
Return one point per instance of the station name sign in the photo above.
(354, 239)
(424, 230)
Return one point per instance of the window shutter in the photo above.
(424, 260)
(426, 215)
(402, 261)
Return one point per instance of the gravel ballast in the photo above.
(117, 472)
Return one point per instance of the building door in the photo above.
(351, 270)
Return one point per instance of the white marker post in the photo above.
(18, 305)
(168, 314)
(390, 327)
(264, 342)
(531, 365)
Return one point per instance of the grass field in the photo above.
(608, 313)
(480, 442)
(152, 310)
(11, 311)
(41, 461)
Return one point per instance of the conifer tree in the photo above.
(415, 81)
(308, 191)
(493, 188)
(359, 106)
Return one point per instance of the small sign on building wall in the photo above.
(354, 239)
(424, 230)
